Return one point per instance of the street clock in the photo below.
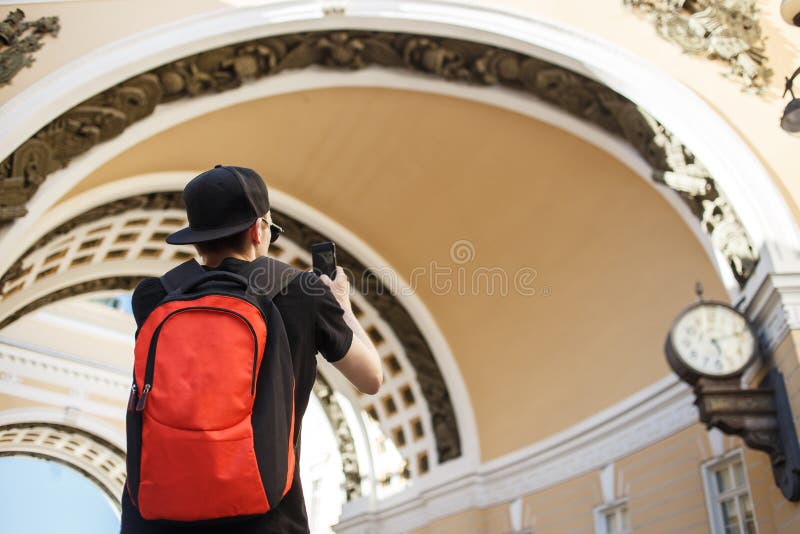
(710, 340)
(710, 345)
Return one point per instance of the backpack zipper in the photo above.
(132, 399)
(151, 353)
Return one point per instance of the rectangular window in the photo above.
(728, 496)
(612, 518)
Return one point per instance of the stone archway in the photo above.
(109, 113)
(114, 245)
(101, 461)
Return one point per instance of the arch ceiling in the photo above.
(114, 245)
(524, 193)
(104, 116)
(109, 113)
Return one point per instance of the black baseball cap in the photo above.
(221, 202)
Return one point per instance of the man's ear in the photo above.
(255, 233)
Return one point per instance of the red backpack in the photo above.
(210, 422)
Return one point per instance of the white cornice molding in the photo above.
(67, 417)
(115, 322)
(68, 363)
(773, 295)
(84, 380)
(643, 419)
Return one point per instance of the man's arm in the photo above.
(361, 365)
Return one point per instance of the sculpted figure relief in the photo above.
(107, 114)
(17, 43)
(725, 30)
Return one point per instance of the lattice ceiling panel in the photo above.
(399, 409)
(101, 462)
(136, 234)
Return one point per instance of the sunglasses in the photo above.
(275, 231)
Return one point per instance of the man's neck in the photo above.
(213, 260)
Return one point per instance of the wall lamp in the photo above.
(790, 11)
(791, 114)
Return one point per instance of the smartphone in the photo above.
(323, 258)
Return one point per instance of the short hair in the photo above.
(231, 243)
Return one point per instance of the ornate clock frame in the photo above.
(687, 373)
(761, 416)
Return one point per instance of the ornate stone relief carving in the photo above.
(19, 39)
(725, 30)
(344, 438)
(107, 114)
(417, 350)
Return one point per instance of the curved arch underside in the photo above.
(96, 458)
(415, 348)
(107, 114)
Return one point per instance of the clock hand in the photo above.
(716, 344)
(735, 334)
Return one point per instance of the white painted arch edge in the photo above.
(176, 180)
(27, 229)
(755, 197)
(69, 418)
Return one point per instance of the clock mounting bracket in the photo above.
(761, 416)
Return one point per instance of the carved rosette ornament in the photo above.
(724, 30)
(104, 116)
(19, 39)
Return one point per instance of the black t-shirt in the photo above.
(314, 323)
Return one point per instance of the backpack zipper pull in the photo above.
(143, 398)
(131, 401)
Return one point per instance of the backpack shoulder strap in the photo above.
(178, 276)
(268, 276)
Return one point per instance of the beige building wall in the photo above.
(663, 485)
(10, 402)
(566, 507)
(88, 25)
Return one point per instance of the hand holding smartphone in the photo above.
(323, 258)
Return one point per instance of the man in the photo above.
(230, 225)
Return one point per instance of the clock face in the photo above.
(713, 340)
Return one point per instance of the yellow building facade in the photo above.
(524, 193)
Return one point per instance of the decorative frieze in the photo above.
(107, 114)
(19, 39)
(723, 30)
